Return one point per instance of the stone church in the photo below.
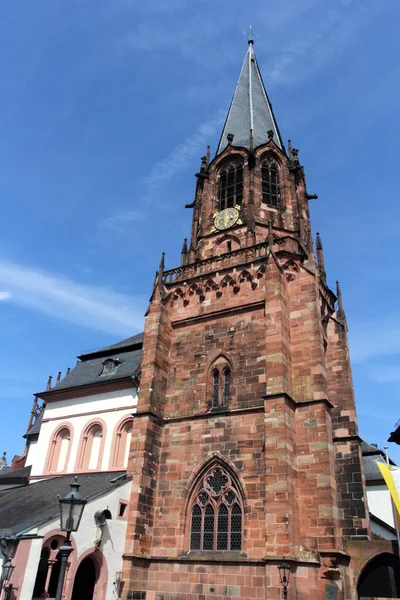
(226, 437)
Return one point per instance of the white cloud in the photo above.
(96, 307)
(5, 296)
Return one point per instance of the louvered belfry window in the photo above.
(216, 514)
(271, 192)
(231, 185)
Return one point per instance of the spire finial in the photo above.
(184, 253)
(251, 35)
(339, 296)
(162, 263)
(320, 258)
(48, 387)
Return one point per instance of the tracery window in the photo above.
(271, 192)
(231, 185)
(217, 514)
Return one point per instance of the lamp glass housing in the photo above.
(6, 570)
(284, 572)
(71, 508)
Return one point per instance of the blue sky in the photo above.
(107, 107)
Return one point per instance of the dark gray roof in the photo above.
(371, 454)
(89, 368)
(35, 429)
(250, 109)
(11, 478)
(17, 516)
(127, 343)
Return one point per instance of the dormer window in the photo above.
(110, 366)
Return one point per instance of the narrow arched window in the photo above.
(59, 451)
(65, 439)
(231, 185)
(271, 192)
(223, 528)
(215, 396)
(91, 448)
(122, 444)
(216, 523)
(41, 575)
(227, 386)
(96, 434)
(195, 534)
(220, 384)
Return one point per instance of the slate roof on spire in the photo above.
(250, 109)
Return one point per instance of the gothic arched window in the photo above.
(220, 384)
(215, 393)
(91, 448)
(216, 514)
(59, 450)
(230, 185)
(271, 191)
(122, 444)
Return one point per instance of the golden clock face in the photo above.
(226, 218)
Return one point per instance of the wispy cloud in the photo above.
(181, 156)
(384, 373)
(376, 415)
(118, 222)
(371, 339)
(5, 296)
(153, 185)
(330, 32)
(96, 307)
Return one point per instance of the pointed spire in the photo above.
(48, 387)
(341, 315)
(162, 264)
(320, 258)
(339, 297)
(270, 237)
(58, 378)
(68, 371)
(184, 253)
(250, 109)
(251, 140)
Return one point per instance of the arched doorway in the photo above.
(85, 580)
(380, 578)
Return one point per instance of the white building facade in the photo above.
(80, 427)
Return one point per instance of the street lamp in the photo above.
(6, 572)
(284, 575)
(71, 511)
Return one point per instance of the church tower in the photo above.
(245, 444)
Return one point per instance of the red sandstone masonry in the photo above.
(269, 324)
